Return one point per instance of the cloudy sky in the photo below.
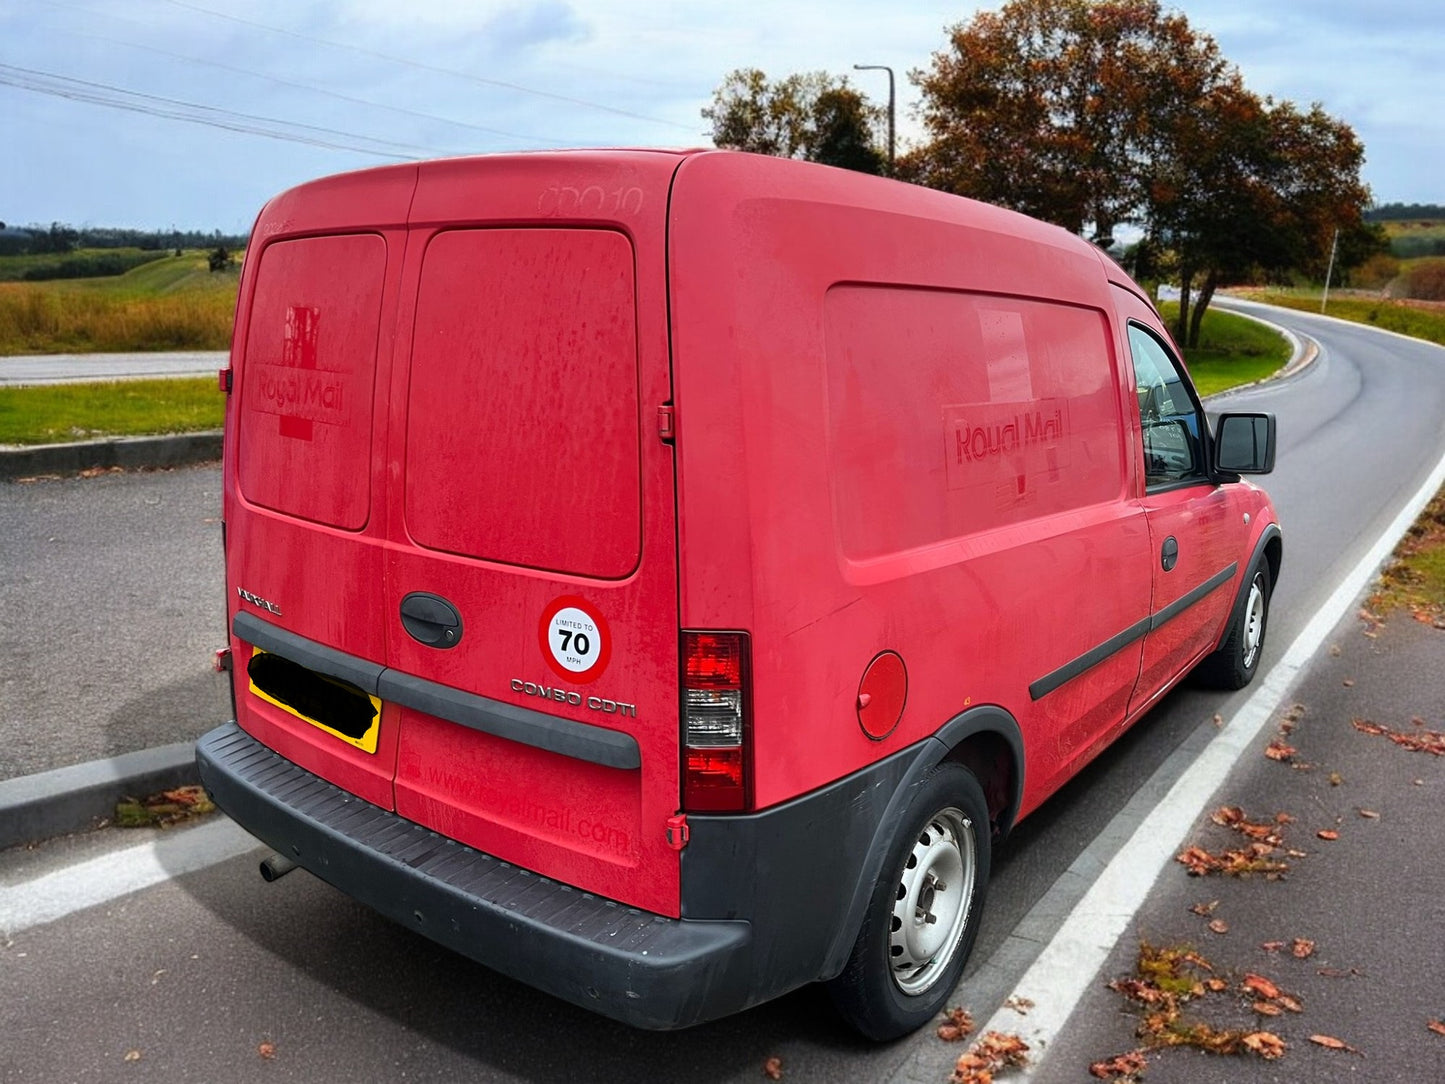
(162, 113)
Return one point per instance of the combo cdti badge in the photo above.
(663, 577)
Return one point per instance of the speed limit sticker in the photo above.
(575, 639)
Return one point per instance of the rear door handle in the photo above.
(431, 620)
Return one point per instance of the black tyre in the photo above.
(923, 916)
(1235, 663)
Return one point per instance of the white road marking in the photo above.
(100, 880)
(1067, 966)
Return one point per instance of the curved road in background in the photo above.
(76, 368)
(346, 995)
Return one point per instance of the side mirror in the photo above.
(1244, 444)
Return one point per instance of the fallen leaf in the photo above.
(267, 1049)
(1302, 947)
(1278, 750)
(1336, 779)
(1204, 910)
(1216, 986)
(1328, 834)
(1266, 1008)
(994, 1051)
(1020, 1005)
(957, 1024)
(1436, 1026)
(1218, 925)
(773, 1068)
(1284, 818)
(1348, 683)
(1285, 1001)
(1330, 1042)
(1335, 651)
(1261, 986)
(1218, 721)
(132, 1055)
(1266, 1044)
(1423, 741)
(1130, 1064)
(1337, 972)
(1370, 813)
(1272, 946)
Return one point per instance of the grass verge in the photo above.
(1232, 350)
(1408, 318)
(1414, 578)
(66, 412)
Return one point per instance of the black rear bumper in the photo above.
(640, 968)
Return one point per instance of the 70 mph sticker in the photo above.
(575, 640)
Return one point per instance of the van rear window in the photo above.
(309, 376)
(522, 439)
(951, 413)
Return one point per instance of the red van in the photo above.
(661, 577)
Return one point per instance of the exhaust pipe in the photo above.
(276, 866)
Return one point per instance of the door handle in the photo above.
(1169, 553)
(431, 620)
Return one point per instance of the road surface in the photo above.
(75, 368)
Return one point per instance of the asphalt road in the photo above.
(196, 974)
(111, 602)
(70, 368)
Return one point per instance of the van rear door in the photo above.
(305, 484)
(531, 584)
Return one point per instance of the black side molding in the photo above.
(1095, 655)
(324, 660)
(581, 741)
(610, 748)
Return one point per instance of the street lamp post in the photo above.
(884, 68)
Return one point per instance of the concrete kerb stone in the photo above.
(127, 452)
(1304, 351)
(73, 799)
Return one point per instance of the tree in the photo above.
(811, 115)
(1097, 113)
(1049, 106)
(220, 259)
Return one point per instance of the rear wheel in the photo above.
(923, 916)
(1233, 666)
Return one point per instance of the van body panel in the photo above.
(532, 490)
(903, 321)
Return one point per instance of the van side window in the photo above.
(1169, 418)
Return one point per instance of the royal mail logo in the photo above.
(298, 389)
(295, 393)
(989, 442)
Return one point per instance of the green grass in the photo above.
(65, 412)
(1414, 580)
(1412, 320)
(1232, 350)
(174, 303)
(16, 268)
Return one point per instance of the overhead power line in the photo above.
(80, 90)
(335, 95)
(470, 77)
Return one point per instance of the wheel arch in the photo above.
(985, 739)
(1269, 548)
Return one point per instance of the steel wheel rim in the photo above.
(932, 902)
(1254, 622)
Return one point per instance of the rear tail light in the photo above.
(716, 722)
